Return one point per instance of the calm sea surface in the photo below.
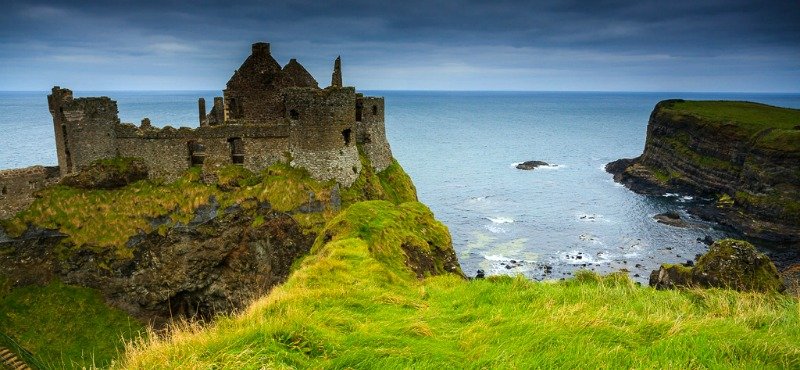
(460, 148)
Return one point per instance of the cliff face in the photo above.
(744, 155)
(207, 243)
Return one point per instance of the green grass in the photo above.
(65, 326)
(752, 117)
(777, 124)
(353, 304)
(391, 184)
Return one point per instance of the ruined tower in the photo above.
(336, 78)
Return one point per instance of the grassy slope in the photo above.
(350, 304)
(65, 326)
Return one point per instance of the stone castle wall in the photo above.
(371, 133)
(18, 186)
(268, 114)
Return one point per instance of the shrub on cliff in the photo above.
(729, 263)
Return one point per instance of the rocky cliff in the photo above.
(745, 156)
(207, 243)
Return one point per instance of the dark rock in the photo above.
(530, 165)
(671, 218)
(791, 279)
(689, 263)
(480, 274)
(216, 265)
(729, 263)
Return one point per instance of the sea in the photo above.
(461, 149)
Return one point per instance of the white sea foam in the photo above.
(589, 217)
(500, 220)
(552, 167)
(492, 257)
(495, 229)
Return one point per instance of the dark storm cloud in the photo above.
(424, 44)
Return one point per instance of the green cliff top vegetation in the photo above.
(777, 128)
(352, 304)
(103, 219)
(753, 117)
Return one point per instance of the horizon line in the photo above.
(443, 90)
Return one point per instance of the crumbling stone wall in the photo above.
(322, 135)
(83, 129)
(371, 132)
(253, 94)
(18, 186)
(167, 151)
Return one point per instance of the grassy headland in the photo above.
(353, 303)
(748, 119)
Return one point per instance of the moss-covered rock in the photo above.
(109, 173)
(729, 263)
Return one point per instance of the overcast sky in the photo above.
(675, 45)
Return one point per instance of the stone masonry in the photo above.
(267, 114)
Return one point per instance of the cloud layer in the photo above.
(680, 45)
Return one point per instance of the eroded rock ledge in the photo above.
(744, 156)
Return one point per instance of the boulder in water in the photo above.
(530, 165)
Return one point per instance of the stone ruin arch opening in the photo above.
(294, 114)
(359, 108)
(237, 150)
(374, 110)
(197, 153)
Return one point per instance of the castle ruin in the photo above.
(267, 114)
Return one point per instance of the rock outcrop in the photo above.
(746, 156)
(531, 165)
(108, 174)
(216, 263)
(729, 263)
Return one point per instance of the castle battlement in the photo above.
(266, 112)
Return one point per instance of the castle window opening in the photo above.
(4, 190)
(346, 136)
(197, 153)
(233, 108)
(237, 150)
(294, 114)
(359, 108)
(374, 110)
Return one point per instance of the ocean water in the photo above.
(460, 149)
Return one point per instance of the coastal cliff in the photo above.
(207, 243)
(745, 156)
